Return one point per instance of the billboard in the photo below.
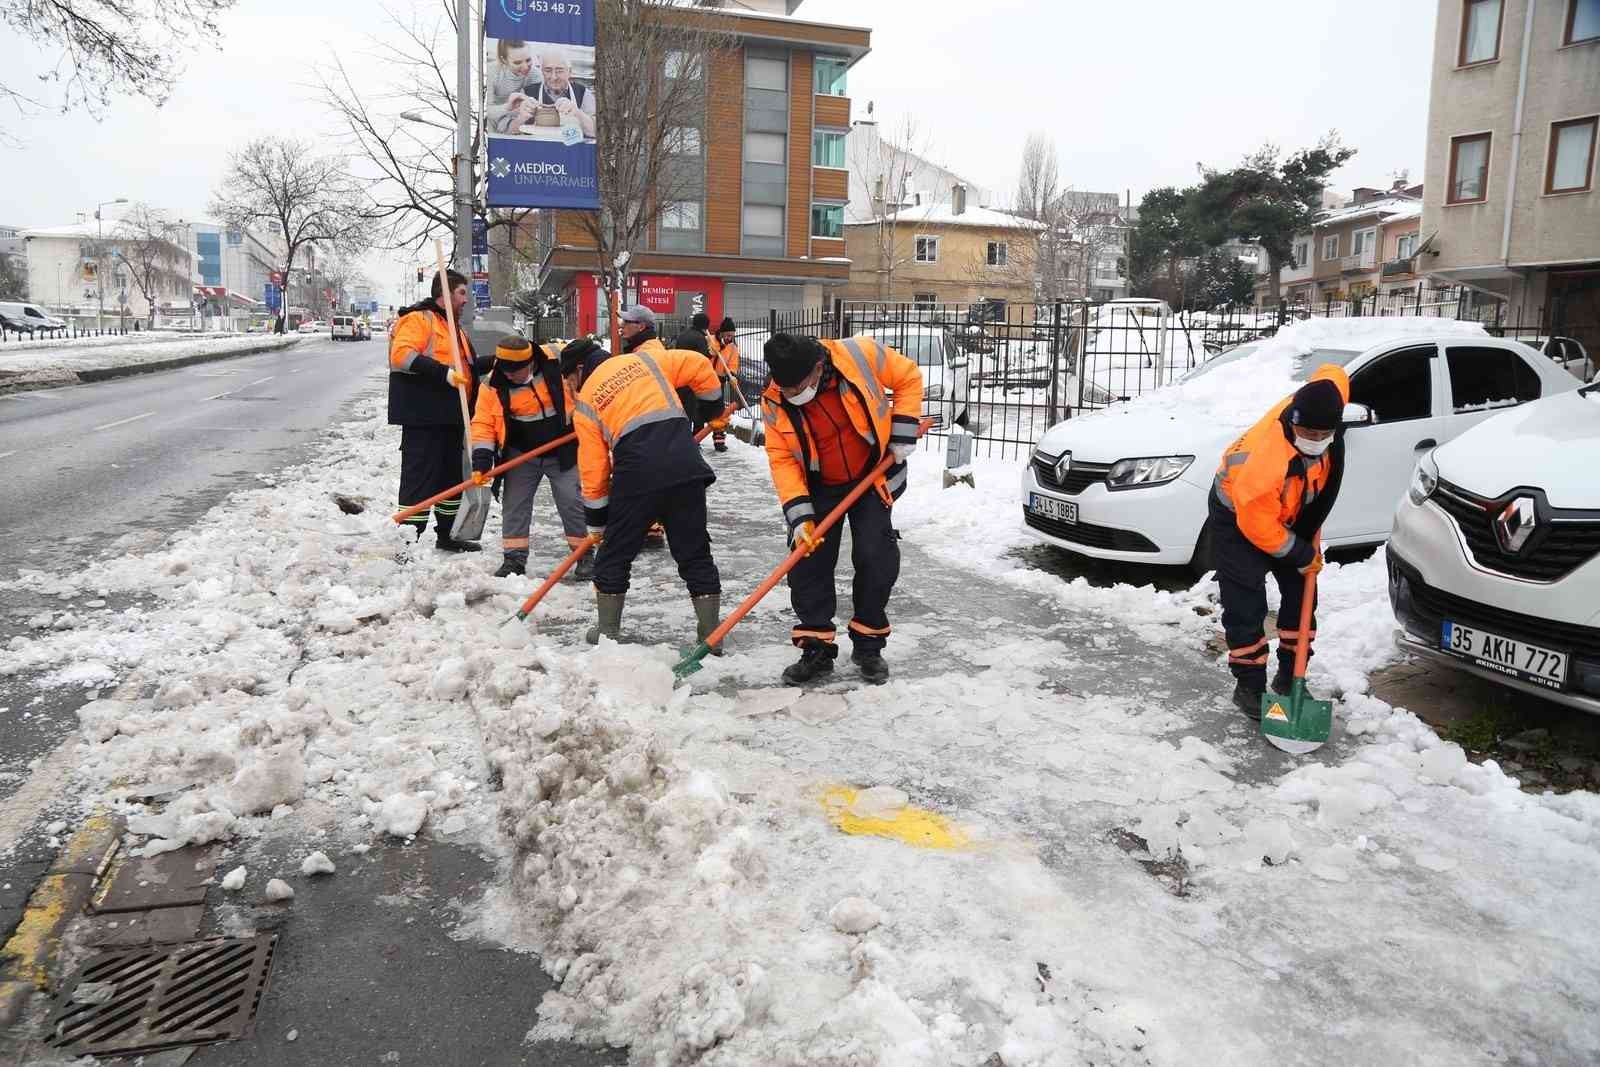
(539, 104)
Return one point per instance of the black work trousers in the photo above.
(1242, 571)
(875, 553)
(682, 510)
(430, 462)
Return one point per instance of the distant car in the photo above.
(1132, 482)
(490, 324)
(363, 330)
(27, 318)
(1494, 560)
(344, 328)
(934, 349)
(1569, 354)
(313, 326)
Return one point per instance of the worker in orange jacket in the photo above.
(1273, 491)
(725, 354)
(637, 325)
(832, 411)
(423, 402)
(638, 461)
(522, 405)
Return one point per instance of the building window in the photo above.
(1480, 31)
(827, 149)
(1570, 168)
(681, 215)
(1302, 254)
(1362, 240)
(1583, 21)
(761, 220)
(1406, 246)
(683, 141)
(994, 254)
(1330, 247)
(927, 250)
(926, 300)
(763, 72)
(682, 65)
(827, 220)
(830, 76)
(764, 147)
(1469, 169)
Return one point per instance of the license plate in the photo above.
(1541, 666)
(1051, 508)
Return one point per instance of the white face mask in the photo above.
(1312, 448)
(804, 396)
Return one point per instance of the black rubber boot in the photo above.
(512, 563)
(585, 568)
(707, 614)
(609, 608)
(720, 446)
(1248, 701)
(873, 669)
(1282, 679)
(450, 544)
(816, 657)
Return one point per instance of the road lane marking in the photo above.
(3, 455)
(122, 422)
(216, 396)
(259, 381)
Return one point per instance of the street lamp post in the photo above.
(99, 264)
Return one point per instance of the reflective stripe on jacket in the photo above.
(633, 433)
(420, 393)
(534, 411)
(881, 391)
(729, 353)
(1265, 482)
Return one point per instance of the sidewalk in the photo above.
(50, 364)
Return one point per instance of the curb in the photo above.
(28, 957)
(105, 374)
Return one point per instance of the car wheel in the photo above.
(1201, 562)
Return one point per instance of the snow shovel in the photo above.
(691, 662)
(416, 509)
(474, 511)
(1295, 722)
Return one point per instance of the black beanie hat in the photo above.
(790, 358)
(701, 321)
(694, 341)
(727, 326)
(1317, 406)
(574, 354)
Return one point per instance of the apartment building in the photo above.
(1511, 208)
(932, 251)
(71, 270)
(883, 172)
(768, 228)
(1350, 250)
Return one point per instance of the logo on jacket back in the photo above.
(1515, 524)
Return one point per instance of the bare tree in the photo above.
(106, 47)
(888, 168)
(301, 198)
(1089, 225)
(150, 246)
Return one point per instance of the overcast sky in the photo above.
(1134, 93)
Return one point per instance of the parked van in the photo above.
(27, 318)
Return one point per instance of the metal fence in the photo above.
(70, 332)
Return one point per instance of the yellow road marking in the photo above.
(908, 825)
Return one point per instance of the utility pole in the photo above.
(464, 161)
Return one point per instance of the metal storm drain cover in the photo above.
(166, 996)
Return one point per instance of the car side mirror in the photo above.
(1359, 415)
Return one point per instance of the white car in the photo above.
(1132, 482)
(1494, 563)
(943, 365)
(312, 326)
(345, 328)
(26, 318)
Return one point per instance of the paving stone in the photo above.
(172, 879)
(131, 929)
(89, 847)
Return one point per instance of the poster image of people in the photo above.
(540, 90)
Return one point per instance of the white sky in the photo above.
(1135, 93)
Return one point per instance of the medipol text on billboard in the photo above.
(539, 103)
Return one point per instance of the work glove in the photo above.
(806, 535)
(1314, 567)
(598, 533)
(480, 478)
(719, 425)
(456, 378)
(902, 452)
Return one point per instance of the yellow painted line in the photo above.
(37, 938)
(909, 825)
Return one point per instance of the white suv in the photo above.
(1494, 562)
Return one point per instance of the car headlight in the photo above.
(1151, 470)
(1424, 480)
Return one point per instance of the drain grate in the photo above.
(144, 1000)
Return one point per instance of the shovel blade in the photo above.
(691, 661)
(473, 514)
(1296, 722)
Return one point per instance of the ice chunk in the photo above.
(1441, 762)
(402, 815)
(233, 881)
(316, 863)
(449, 680)
(855, 915)
(276, 778)
(279, 890)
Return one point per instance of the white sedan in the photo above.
(943, 366)
(1494, 563)
(1131, 483)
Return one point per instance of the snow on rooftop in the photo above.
(1389, 206)
(945, 215)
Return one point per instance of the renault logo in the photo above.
(1063, 466)
(1514, 525)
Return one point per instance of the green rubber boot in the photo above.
(609, 608)
(707, 616)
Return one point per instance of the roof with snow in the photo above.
(944, 215)
(1389, 208)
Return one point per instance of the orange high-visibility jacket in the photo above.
(1265, 482)
(533, 415)
(729, 353)
(419, 362)
(633, 433)
(882, 393)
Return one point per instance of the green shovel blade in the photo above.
(691, 661)
(1296, 722)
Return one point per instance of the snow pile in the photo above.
(46, 361)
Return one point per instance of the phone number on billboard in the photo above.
(546, 7)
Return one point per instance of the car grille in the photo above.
(1433, 606)
(1084, 533)
(1559, 549)
(1079, 478)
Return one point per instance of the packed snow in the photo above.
(1108, 865)
(44, 362)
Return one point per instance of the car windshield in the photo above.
(925, 349)
(1303, 366)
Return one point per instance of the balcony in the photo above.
(1357, 264)
(1397, 268)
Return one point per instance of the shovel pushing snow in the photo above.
(416, 509)
(474, 512)
(1296, 722)
(691, 662)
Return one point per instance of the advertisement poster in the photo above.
(539, 103)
